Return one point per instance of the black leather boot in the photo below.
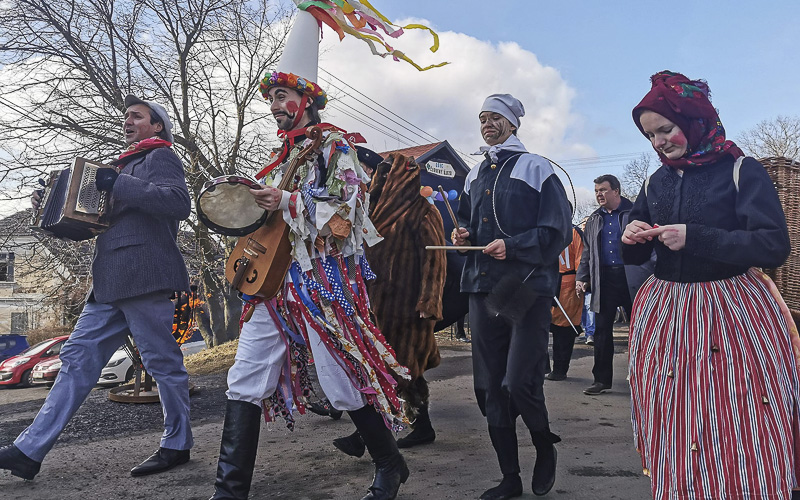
(352, 445)
(18, 463)
(237, 451)
(504, 442)
(423, 432)
(544, 470)
(390, 468)
(795, 494)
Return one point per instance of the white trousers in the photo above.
(262, 354)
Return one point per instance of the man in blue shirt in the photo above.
(603, 273)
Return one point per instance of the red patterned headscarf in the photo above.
(687, 104)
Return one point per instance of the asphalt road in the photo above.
(105, 439)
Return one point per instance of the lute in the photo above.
(259, 262)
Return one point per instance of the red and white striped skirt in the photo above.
(713, 369)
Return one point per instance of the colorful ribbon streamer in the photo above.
(361, 20)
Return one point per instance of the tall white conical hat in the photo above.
(301, 52)
(298, 65)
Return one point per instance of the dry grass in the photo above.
(41, 334)
(215, 360)
(218, 359)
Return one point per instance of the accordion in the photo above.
(71, 206)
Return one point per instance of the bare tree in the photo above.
(777, 137)
(68, 64)
(635, 173)
(583, 210)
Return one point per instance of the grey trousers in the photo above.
(100, 330)
(509, 362)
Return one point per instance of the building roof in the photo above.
(427, 151)
(415, 151)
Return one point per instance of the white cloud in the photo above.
(445, 101)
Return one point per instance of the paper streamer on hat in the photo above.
(360, 20)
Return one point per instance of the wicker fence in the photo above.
(785, 173)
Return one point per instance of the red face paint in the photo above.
(292, 107)
(678, 139)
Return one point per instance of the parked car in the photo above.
(45, 372)
(19, 369)
(12, 344)
(118, 370)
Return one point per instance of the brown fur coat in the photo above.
(410, 278)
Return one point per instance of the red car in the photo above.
(45, 372)
(19, 369)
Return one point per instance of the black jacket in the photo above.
(728, 228)
(523, 194)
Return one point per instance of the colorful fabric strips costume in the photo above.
(325, 289)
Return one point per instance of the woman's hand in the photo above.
(633, 232)
(496, 249)
(673, 236)
(267, 198)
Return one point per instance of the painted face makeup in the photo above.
(495, 128)
(284, 104)
(666, 137)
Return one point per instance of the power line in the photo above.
(387, 132)
(422, 134)
(361, 118)
(379, 125)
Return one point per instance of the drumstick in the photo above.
(447, 204)
(449, 247)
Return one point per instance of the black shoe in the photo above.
(351, 445)
(416, 438)
(544, 471)
(556, 376)
(423, 432)
(596, 389)
(162, 460)
(509, 487)
(389, 475)
(18, 463)
(324, 408)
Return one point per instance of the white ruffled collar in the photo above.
(512, 144)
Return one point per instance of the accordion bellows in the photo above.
(71, 206)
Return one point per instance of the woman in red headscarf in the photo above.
(713, 351)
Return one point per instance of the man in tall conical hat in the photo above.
(323, 309)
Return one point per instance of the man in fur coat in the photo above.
(406, 296)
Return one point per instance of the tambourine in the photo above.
(226, 206)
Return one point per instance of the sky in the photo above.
(579, 67)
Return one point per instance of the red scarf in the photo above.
(143, 146)
(289, 139)
(686, 103)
